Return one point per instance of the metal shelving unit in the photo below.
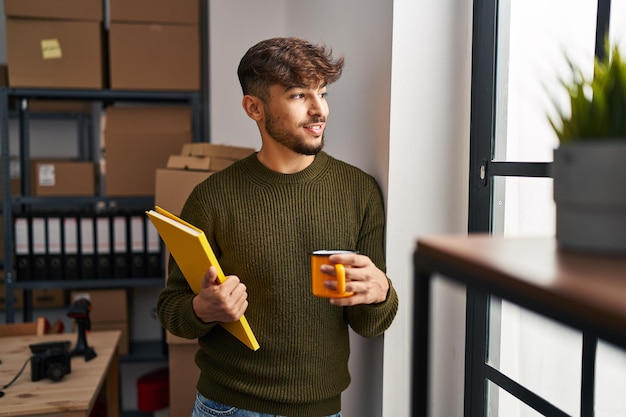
(12, 204)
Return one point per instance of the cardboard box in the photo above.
(48, 298)
(62, 178)
(42, 297)
(4, 82)
(124, 345)
(109, 311)
(4, 76)
(198, 163)
(173, 186)
(14, 173)
(184, 374)
(55, 9)
(216, 150)
(138, 141)
(154, 57)
(155, 11)
(139, 120)
(68, 106)
(106, 305)
(54, 53)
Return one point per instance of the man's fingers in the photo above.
(210, 278)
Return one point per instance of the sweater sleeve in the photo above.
(174, 303)
(370, 320)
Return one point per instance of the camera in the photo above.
(53, 362)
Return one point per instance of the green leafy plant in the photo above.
(597, 105)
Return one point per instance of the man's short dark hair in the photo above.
(292, 62)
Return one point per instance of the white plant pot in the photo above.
(590, 196)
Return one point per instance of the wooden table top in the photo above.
(75, 394)
(587, 289)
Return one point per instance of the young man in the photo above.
(263, 216)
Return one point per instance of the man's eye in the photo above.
(299, 95)
(323, 95)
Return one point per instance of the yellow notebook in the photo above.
(193, 254)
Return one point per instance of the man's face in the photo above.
(296, 117)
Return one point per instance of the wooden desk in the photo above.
(585, 291)
(76, 393)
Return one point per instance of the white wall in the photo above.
(400, 112)
(358, 129)
(428, 184)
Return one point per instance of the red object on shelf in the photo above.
(153, 390)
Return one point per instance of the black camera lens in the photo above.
(56, 371)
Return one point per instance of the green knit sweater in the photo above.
(262, 226)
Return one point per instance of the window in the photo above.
(520, 53)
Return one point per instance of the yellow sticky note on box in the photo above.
(51, 49)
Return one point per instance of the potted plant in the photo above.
(589, 168)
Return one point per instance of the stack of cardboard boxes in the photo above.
(173, 186)
(152, 44)
(137, 141)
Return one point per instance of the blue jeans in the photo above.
(204, 407)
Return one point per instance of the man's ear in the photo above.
(253, 106)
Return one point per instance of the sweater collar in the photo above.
(256, 169)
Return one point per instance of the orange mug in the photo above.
(319, 258)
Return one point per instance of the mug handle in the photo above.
(341, 278)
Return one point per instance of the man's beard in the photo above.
(293, 142)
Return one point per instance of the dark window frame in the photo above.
(483, 170)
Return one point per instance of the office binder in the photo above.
(193, 254)
(71, 264)
(87, 252)
(22, 249)
(39, 248)
(120, 247)
(103, 239)
(138, 251)
(55, 251)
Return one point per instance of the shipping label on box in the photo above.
(63, 178)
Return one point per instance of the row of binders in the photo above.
(80, 247)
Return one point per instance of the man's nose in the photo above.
(317, 107)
